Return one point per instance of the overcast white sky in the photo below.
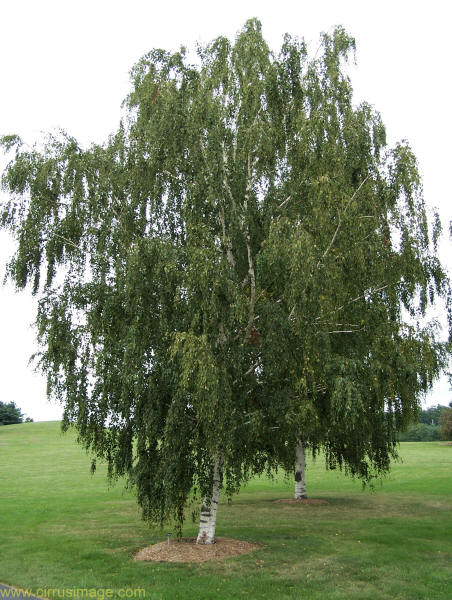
(65, 64)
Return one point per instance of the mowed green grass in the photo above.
(62, 528)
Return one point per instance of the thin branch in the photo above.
(340, 219)
(235, 126)
(221, 335)
(68, 242)
(226, 239)
(252, 286)
(171, 175)
(225, 179)
(250, 370)
(333, 239)
(204, 155)
(360, 297)
(339, 324)
(249, 186)
(364, 239)
(345, 331)
(284, 203)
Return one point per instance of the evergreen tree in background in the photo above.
(239, 274)
(10, 414)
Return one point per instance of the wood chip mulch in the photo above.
(187, 550)
(301, 501)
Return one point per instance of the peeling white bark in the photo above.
(226, 240)
(300, 472)
(249, 189)
(208, 519)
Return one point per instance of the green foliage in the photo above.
(445, 422)
(432, 415)
(427, 428)
(234, 269)
(10, 414)
(421, 432)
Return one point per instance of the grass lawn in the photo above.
(62, 528)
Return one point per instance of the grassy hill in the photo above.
(62, 528)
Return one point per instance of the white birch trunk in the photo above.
(208, 519)
(300, 472)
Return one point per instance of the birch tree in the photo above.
(228, 275)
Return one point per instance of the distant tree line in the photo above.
(434, 423)
(11, 414)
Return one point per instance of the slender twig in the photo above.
(284, 203)
(360, 297)
(68, 242)
(250, 370)
(171, 175)
(340, 219)
(345, 331)
(342, 324)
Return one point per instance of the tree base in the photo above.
(188, 550)
(204, 541)
(300, 501)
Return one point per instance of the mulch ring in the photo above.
(301, 501)
(187, 550)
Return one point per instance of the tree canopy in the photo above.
(427, 427)
(431, 415)
(242, 263)
(10, 414)
(445, 422)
